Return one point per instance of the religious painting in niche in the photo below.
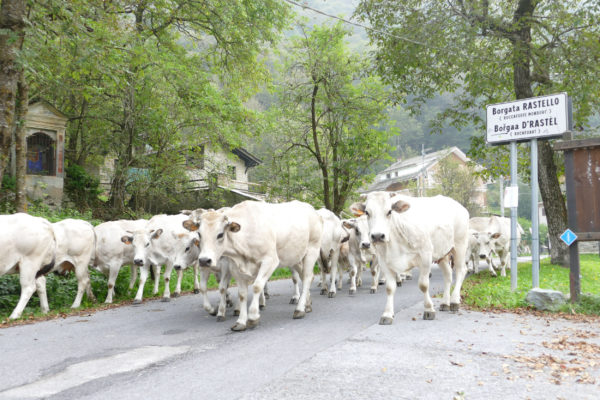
(41, 155)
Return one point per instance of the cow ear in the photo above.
(348, 224)
(346, 238)
(357, 209)
(496, 235)
(190, 225)
(363, 196)
(157, 233)
(196, 242)
(185, 212)
(400, 206)
(234, 227)
(127, 239)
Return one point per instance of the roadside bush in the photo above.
(81, 188)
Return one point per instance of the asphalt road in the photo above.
(176, 350)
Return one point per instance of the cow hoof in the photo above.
(373, 291)
(196, 291)
(308, 308)
(175, 294)
(136, 302)
(267, 296)
(238, 327)
(454, 307)
(323, 291)
(299, 314)
(444, 307)
(236, 313)
(261, 306)
(385, 321)
(165, 299)
(352, 291)
(213, 312)
(399, 283)
(429, 275)
(253, 323)
(409, 278)
(220, 318)
(429, 315)
(294, 300)
(331, 295)
(381, 282)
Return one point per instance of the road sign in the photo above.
(525, 119)
(568, 237)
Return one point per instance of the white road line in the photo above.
(80, 373)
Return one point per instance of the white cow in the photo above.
(111, 253)
(259, 237)
(27, 247)
(75, 244)
(473, 251)
(360, 250)
(157, 244)
(332, 238)
(493, 235)
(410, 232)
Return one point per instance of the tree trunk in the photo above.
(554, 203)
(12, 14)
(21, 144)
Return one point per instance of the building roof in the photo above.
(412, 167)
(249, 159)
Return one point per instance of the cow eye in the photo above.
(220, 235)
(187, 249)
(357, 231)
(389, 213)
(366, 213)
(147, 244)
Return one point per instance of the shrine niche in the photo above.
(45, 130)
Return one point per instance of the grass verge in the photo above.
(483, 291)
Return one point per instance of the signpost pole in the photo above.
(513, 217)
(574, 281)
(502, 196)
(535, 233)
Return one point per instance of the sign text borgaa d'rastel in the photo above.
(527, 119)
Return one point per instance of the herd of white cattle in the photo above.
(394, 233)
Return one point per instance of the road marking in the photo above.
(83, 372)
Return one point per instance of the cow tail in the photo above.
(48, 267)
(93, 258)
(324, 262)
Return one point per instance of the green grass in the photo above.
(483, 291)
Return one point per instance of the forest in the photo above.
(322, 99)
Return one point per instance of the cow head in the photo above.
(486, 242)
(378, 208)
(360, 226)
(141, 241)
(186, 249)
(213, 229)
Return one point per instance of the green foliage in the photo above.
(330, 121)
(58, 214)
(485, 291)
(81, 188)
(458, 182)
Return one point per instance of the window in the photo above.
(41, 157)
(231, 172)
(388, 175)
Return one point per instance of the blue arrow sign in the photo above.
(568, 237)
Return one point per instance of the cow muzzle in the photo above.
(377, 237)
(205, 261)
(177, 267)
(482, 256)
(365, 245)
(139, 262)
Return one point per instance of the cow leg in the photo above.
(196, 283)
(491, 266)
(353, 272)
(323, 282)
(296, 280)
(83, 284)
(503, 261)
(167, 277)
(40, 285)
(223, 284)
(390, 289)
(305, 302)
(133, 276)
(267, 266)
(425, 269)
(144, 272)
(375, 271)
(360, 267)
(333, 275)
(113, 272)
(266, 291)
(156, 269)
(460, 270)
(240, 324)
(204, 275)
(447, 273)
(179, 273)
(28, 286)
